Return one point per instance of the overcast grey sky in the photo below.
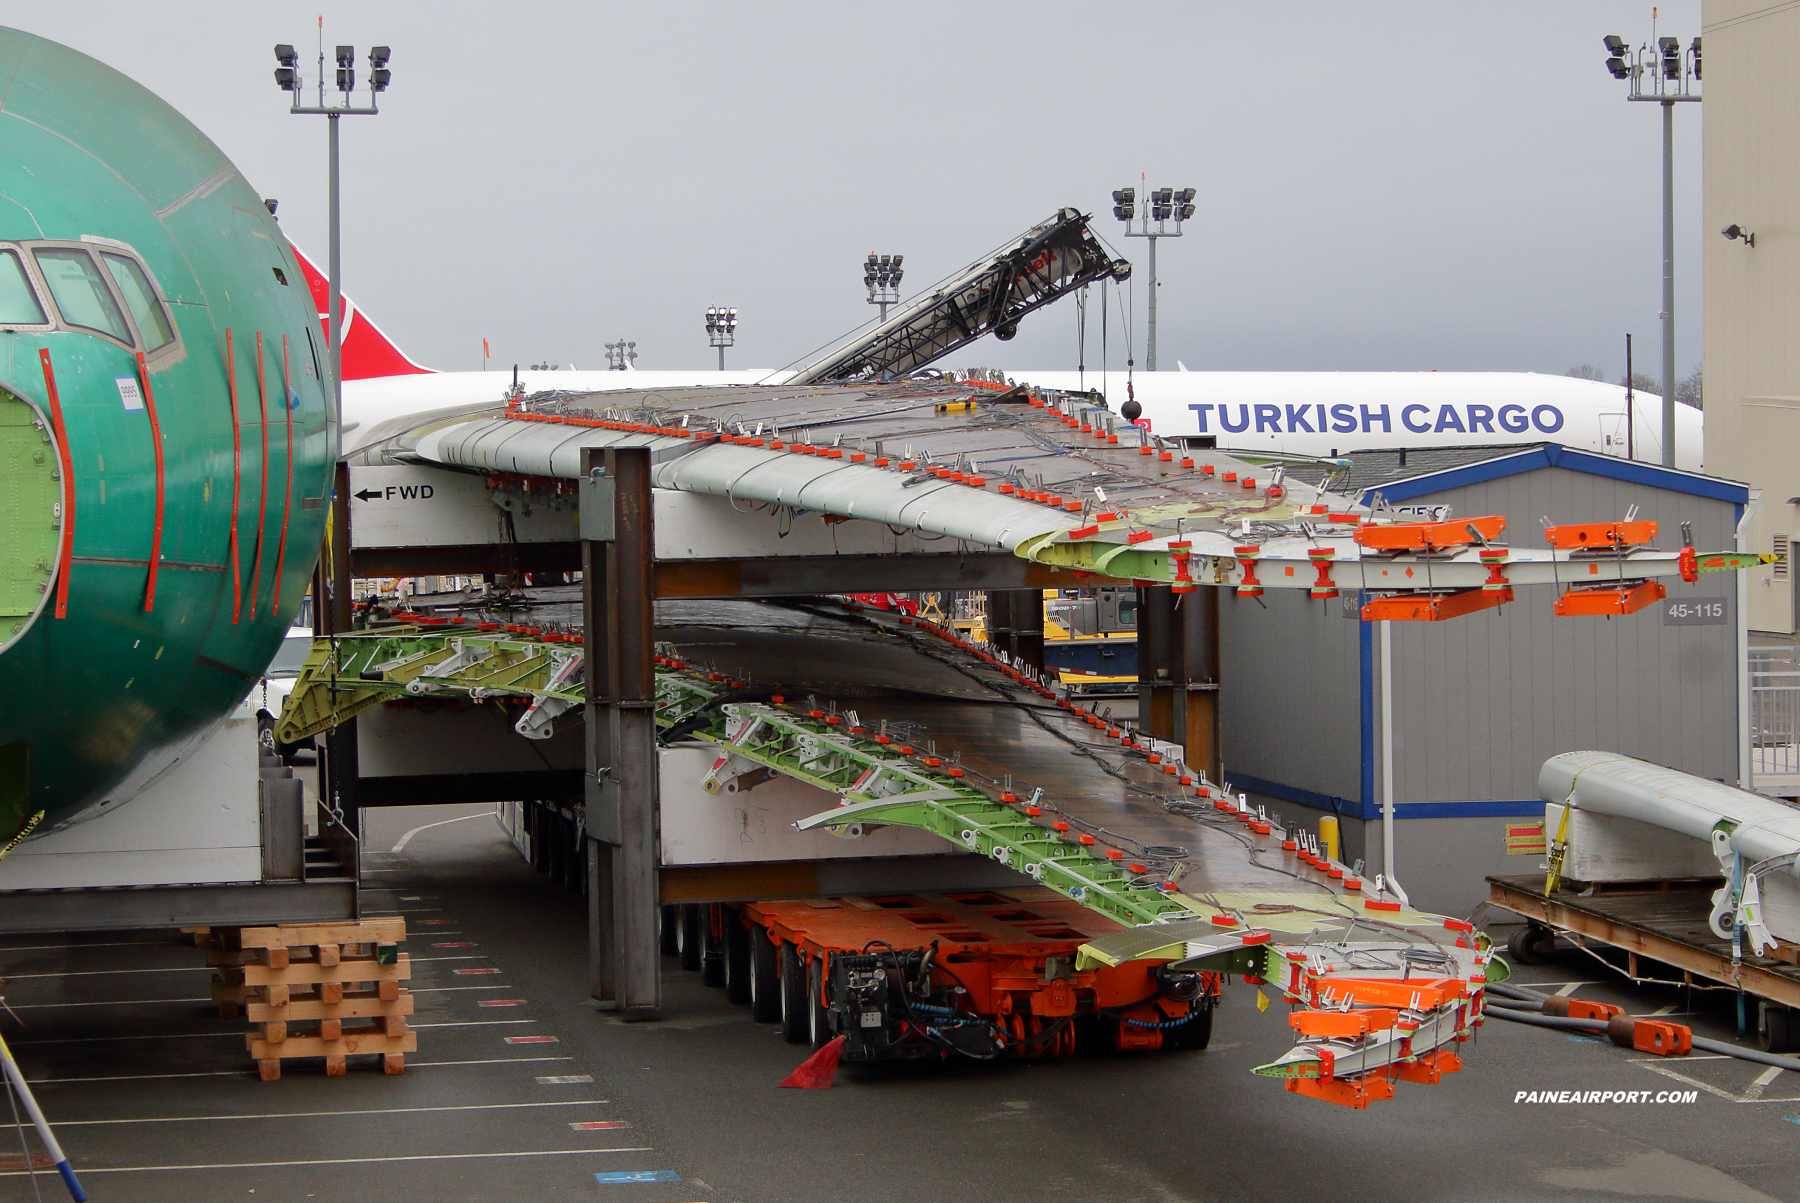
(1382, 186)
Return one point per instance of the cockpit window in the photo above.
(140, 298)
(18, 303)
(80, 292)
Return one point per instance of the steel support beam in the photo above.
(150, 907)
(1178, 683)
(559, 786)
(620, 635)
(600, 807)
(1195, 711)
(1158, 659)
(765, 576)
(999, 619)
(1028, 625)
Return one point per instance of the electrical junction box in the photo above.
(597, 494)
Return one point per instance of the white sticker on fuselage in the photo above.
(128, 392)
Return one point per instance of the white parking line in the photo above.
(1570, 988)
(102, 1039)
(247, 1070)
(405, 839)
(79, 947)
(467, 1023)
(195, 1119)
(19, 977)
(1752, 1095)
(269, 1165)
(1755, 1089)
(112, 1002)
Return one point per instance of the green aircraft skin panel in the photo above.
(94, 704)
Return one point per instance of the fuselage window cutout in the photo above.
(80, 292)
(19, 304)
(140, 297)
(280, 277)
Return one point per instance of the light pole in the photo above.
(1664, 75)
(1163, 206)
(620, 355)
(287, 78)
(881, 275)
(721, 329)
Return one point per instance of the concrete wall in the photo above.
(1752, 294)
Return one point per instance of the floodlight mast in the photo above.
(1662, 74)
(1163, 206)
(881, 276)
(288, 79)
(721, 328)
(620, 355)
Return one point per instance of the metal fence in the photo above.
(1774, 720)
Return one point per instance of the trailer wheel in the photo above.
(737, 957)
(712, 946)
(690, 938)
(1532, 944)
(669, 925)
(1196, 1033)
(1776, 1029)
(818, 1019)
(796, 1027)
(765, 976)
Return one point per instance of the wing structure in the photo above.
(1380, 992)
(1059, 479)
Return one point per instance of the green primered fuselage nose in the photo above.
(161, 387)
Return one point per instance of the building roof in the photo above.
(1433, 470)
(1382, 466)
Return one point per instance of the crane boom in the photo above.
(1050, 260)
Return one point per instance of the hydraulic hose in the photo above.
(1599, 1025)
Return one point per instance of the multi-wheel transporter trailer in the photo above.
(981, 973)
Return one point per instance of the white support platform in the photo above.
(199, 823)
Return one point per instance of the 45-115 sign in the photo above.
(1696, 612)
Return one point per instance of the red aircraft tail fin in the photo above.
(368, 353)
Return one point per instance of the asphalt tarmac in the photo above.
(523, 1089)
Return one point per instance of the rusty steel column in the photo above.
(1194, 716)
(999, 619)
(600, 810)
(631, 705)
(1158, 661)
(1027, 612)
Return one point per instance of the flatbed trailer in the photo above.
(983, 973)
(1664, 922)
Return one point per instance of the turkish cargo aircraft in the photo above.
(166, 443)
(1318, 414)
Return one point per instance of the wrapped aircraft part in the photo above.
(1754, 827)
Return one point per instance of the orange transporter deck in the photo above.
(994, 968)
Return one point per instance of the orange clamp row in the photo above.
(1430, 536)
(1435, 607)
(1608, 600)
(1600, 534)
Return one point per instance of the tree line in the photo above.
(1688, 391)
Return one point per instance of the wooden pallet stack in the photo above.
(328, 990)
